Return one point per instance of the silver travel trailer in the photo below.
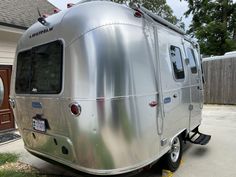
(107, 89)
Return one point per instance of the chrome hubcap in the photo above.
(175, 149)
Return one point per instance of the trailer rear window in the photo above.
(39, 70)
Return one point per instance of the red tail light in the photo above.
(75, 109)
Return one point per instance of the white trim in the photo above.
(7, 62)
(222, 57)
(11, 29)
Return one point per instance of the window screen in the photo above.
(39, 70)
(192, 60)
(176, 59)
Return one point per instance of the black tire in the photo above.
(170, 160)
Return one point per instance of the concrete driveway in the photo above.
(217, 159)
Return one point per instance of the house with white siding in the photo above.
(15, 17)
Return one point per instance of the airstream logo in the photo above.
(41, 32)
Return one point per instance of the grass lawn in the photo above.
(8, 158)
(12, 173)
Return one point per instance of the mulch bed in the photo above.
(19, 167)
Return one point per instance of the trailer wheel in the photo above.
(172, 159)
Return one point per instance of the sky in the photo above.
(62, 4)
(176, 5)
(178, 8)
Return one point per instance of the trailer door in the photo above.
(196, 93)
(173, 86)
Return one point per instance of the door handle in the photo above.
(175, 96)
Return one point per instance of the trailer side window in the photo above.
(192, 60)
(177, 63)
(39, 70)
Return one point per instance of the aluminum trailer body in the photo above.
(104, 88)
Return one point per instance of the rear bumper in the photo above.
(53, 145)
(75, 166)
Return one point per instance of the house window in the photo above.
(177, 63)
(192, 60)
(39, 70)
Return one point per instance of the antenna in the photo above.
(39, 12)
(41, 19)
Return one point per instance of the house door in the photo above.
(6, 116)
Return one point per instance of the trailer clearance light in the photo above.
(55, 11)
(138, 14)
(75, 109)
(70, 5)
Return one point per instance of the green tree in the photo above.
(213, 24)
(159, 7)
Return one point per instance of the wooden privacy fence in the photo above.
(220, 80)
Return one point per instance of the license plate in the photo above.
(39, 125)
